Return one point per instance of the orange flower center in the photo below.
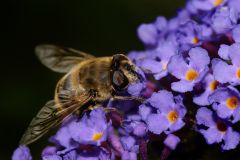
(195, 40)
(172, 116)
(232, 102)
(213, 85)
(217, 2)
(97, 136)
(238, 73)
(191, 75)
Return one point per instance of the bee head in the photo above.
(123, 72)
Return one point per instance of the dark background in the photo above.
(101, 28)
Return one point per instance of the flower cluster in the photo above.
(192, 69)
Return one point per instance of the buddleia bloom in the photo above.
(189, 81)
(189, 71)
(218, 130)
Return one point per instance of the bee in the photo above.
(87, 83)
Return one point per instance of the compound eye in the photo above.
(127, 66)
(119, 80)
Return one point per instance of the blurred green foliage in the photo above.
(102, 28)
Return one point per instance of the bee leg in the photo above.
(110, 109)
(140, 99)
(105, 109)
(94, 107)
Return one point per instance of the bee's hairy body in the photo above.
(87, 83)
(92, 74)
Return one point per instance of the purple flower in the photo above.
(115, 143)
(224, 19)
(157, 65)
(236, 33)
(223, 51)
(95, 128)
(96, 153)
(137, 56)
(175, 59)
(227, 73)
(171, 141)
(207, 4)
(235, 5)
(52, 157)
(64, 138)
(130, 148)
(226, 101)
(210, 85)
(217, 130)
(182, 17)
(161, 24)
(145, 111)
(129, 156)
(49, 150)
(136, 88)
(170, 112)
(22, 153)
(189, 71)
(188, 34)
(133, 125)
(148, 34)
(52, 153)
(70, 155)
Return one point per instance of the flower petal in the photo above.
(151, 66)
(175, 126)
(157, 123)
(223, 51)
(234, 53)
(199, 58)
(202, 99)
(222, 110)
(236, 33)
(177, 66)
(212, 135)
(222, 72)
(162, 100)
(204, 116)
(136, 88)
(231, 139)
(147, 33)
(182, 86)
(236, 115)
(129, 156)
(22, 153)
(128, 142)
(144, 111)
(172, 141)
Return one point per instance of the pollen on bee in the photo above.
(191, 75)
(232, 102)
(172, 116)
(97, 136)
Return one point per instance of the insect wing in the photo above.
(60, 59)
(51, 115)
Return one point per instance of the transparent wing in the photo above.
(60, 59)
(51, 115)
